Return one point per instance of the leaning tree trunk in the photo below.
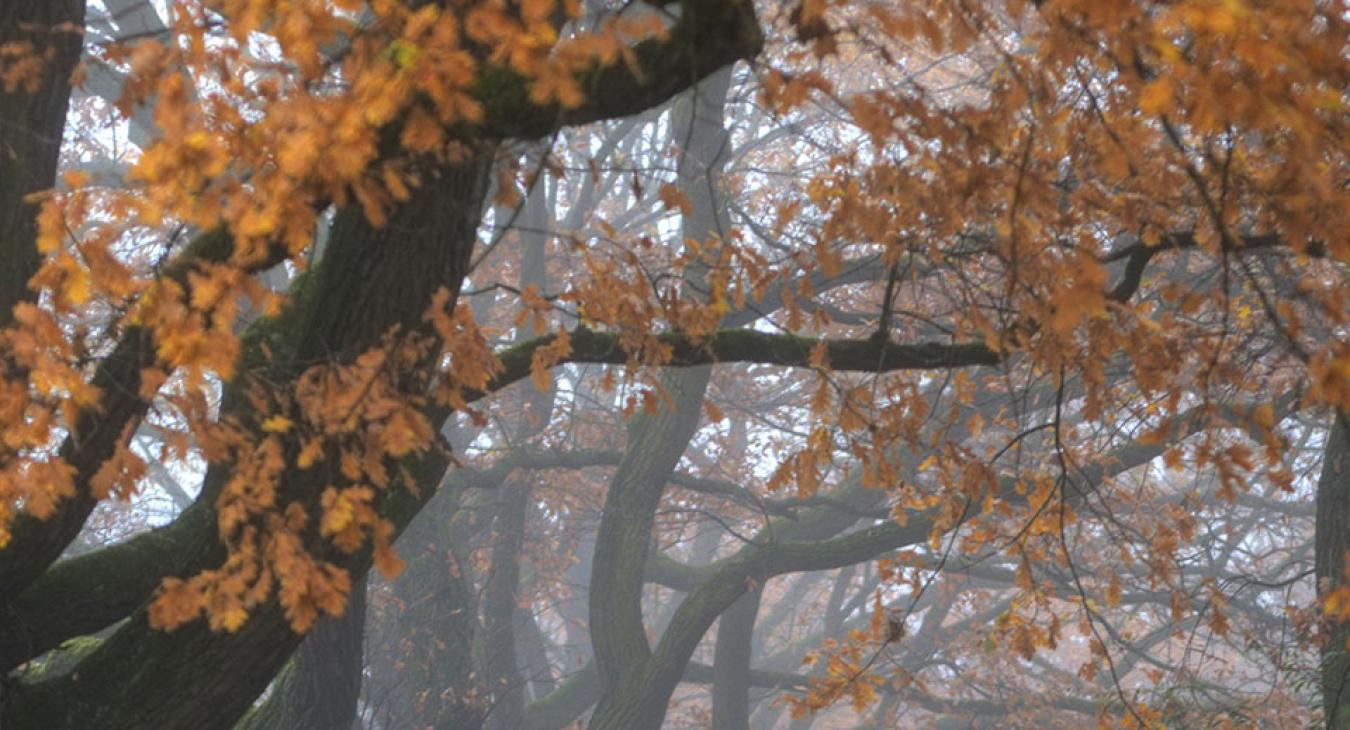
(319, 689)
(1332, 542)
(32, 120)
(370, 280)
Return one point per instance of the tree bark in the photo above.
(319, 689)
(1332, 543)
(32, 122)
(370, 280)
(731, 663)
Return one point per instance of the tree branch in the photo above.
(750, 346)
(709, 35)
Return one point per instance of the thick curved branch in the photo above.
(709, 35)
(97, 433)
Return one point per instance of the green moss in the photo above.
(60, 660)
(271, 338)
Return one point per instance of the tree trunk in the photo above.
(654, 446)
(319, 689)
(1332, 542)
(501, 668)
(731, 663)
(32, 121)
(370, 280)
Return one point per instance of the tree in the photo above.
(1041, 304)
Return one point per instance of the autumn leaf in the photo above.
(674, 199)
(277, 424)
(1156, 96)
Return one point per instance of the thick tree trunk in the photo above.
(1332, 543)
(32, 121)
(655, 444)
(319, 689)
(370, 279)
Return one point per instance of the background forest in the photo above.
(544, 364)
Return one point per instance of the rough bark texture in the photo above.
(1332, 542)
(368, 281)
(319, 689)
(31, 125)
(139, 676)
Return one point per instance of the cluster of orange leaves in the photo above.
(615, 293)
(1211, 117)
(260, 128)
(20, 67)
(345, 429)
(355, 416)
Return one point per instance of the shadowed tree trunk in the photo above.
(32, 120)
(319, 689)
(1332, 543)
(363, 291)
